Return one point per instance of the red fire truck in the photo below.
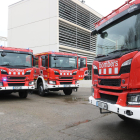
(56, 71)
(116, 69)
(16, 71)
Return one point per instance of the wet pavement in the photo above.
(60, 117)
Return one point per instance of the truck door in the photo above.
(83, 69)
(36, 68)
(44, 67)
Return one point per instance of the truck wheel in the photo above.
(126, 119)
(23, 94)
(41, 91)
(67, 91)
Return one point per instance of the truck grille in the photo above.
(14, 78)
(110, 82)
(66, 78)
(108, 98)
(15, 84)
(65, 83)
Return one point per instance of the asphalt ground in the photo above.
(60, 117)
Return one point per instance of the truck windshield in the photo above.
(124, 35)
(63, 62)
(16, 60)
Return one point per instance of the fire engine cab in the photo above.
(116, 69)
(16, 71)
(56, 71)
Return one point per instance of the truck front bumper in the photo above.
(17, 88)
(48, 86)
(119, 109)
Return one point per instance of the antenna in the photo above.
(83, 1)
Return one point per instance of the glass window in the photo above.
(123, 35)
(16, 59)
(63, 62)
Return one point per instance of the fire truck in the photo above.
(16, 71)
(56, 71)
(116, 68)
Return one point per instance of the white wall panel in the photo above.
(29, 11)
(54, 8)
(31, 35)
(41, 49)
(34, 24)
(54, 30)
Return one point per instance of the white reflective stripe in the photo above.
(110, 70)
(18, 73)
(9, 73)
(14, 73)
(116, 70)
(67, 73)
(104, 71)
(100, 71)
(60, 73)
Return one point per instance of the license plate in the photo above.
(17, 87)
(102, 105)
(66, 85)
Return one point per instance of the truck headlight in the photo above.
(1, 84)
(28, 72)
(74, 73)
(126, 66)
(95, 67)
(76, 82)
(31, 83)
(92, 91)
(133, 99)
(52, 82)
(56, 72)
(126, 63)
(4, 72)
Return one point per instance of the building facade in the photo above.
(53, 25)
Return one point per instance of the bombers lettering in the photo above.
(16, 70)
(108, 64)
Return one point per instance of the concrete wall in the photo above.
(85, 83)
(34, 24)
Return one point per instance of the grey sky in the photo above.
(103, 7)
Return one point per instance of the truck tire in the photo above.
(41, 91)
(67, 91)
(126, 119)
(23, 94)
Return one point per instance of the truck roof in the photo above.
(58, 53)
(15, 49)
(117, 11)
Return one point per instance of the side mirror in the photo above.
(94, 32)
(81, 63)
(34, 59)
(43, 57)
(33, 62)
(43, 63)
(55, 58)
(104, 35)
(3, 54)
